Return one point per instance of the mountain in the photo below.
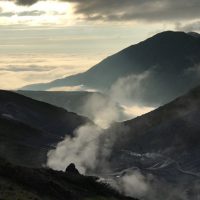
(72, 100)
(30, 128)
(38, 114)
(164, 144)
(24, 145)
(156, 70)
(27, 183)
(175, 124)
(75, 101)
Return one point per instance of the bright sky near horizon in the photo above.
(44, 40)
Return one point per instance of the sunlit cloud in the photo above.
(68, 88)
(19, 70)
(134, 111)
(40, 13)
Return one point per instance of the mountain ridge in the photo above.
(167, 57)
(162, 144)
(30, 128)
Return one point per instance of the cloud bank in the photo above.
(126, 10)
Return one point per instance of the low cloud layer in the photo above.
(22, 14)
(28, 68)
(116, 10)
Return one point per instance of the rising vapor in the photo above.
(84, 147)
(91, 148)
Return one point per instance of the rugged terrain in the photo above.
(164, 143)
(45, 184)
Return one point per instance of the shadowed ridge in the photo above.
(30, 128)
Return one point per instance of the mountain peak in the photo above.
(168, 33)
(170, 36)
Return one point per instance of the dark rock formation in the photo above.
(72, 169)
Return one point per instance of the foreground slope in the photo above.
(24, 145)
(45, 184)
(29, 128)
(38, 114)
(166, 58)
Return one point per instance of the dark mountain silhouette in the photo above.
(38, 114)
(24, 145)
(30, 128)
(171, 60)
(28, 183)
(164, 143)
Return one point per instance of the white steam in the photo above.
(133, 111)
(81, 150)
(134, 184)
(103, 110)
(127, 90)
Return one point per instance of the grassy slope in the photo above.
(20, 183)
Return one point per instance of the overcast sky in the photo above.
(44, 40)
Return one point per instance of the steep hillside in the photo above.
(29, 128)
(24, 145)
(163, 144)
(162, 67)
(38, 114)
(177, 119)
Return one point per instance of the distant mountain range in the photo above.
(30, 128)
(157, 70)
